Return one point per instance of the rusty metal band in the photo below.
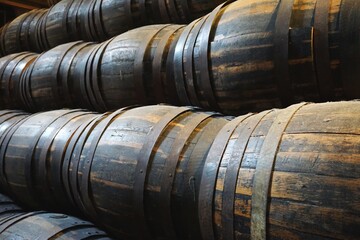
(29, 19)
(157, 63)
(12, 221)
(72, 18)
(244, 131)
(18, 31)
(57, 162)
(22, 87)
(56, 128)
(15, 95)
(209, 175)
(101, 105)
(42, 32)
(96, 136)
(350, 47)
(88, 26)
(178, 64)
(170, 166)
(142, 167)
(188, 62)
(281, 51)
(56, 69)
(88, 79)
(27, 85)
(140, 57)
(321, 49)
(6, 75)
(29, 175)
(86, 99)
(64, 22)
(92, 24)
(68, 157)
(204, 82)
(4, 142)
(6, 63)
(84, 19)
(76, 159)
(264, 170)
(98, 21)
(65, 68)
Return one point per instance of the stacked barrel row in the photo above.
(16, 223)
(163, 172)
(71, 20)
(239, 58)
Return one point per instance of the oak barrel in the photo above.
(12, 68)
(254, 55)
(15, 223)
(284, 174)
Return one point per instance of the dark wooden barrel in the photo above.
(15, 223)
(72, 20)
(131, 69)
(12, 68)
(282, 52)
(36, 34)
(284, 174)
(46, 80)
(174, 172)
(118, 187)
(57, 28)
(18, 35)
(33, 152)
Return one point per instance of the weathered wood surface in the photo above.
(166, 172)
(244, 56)
(12, 68)
(72, 20)
(255, 62)
(313, 190)
(15, 223)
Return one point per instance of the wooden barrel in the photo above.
(131, 69)
(282, 52)
(32, 176)
(36, 34)
(16, 36)
(284, 174)
(15, 223)
(12, 68)
(56, 24)
(46, 80)
(173, 172)
(118, 187)
(72, 20)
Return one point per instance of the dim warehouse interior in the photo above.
(179, 119)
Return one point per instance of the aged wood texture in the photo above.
(15, 223)
(264, 54)
(287, 174)
(94, 20)
(163, 172)
(119, 169)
